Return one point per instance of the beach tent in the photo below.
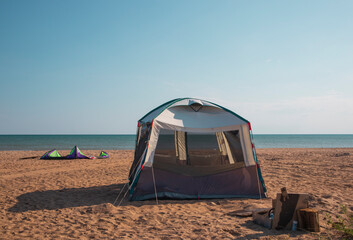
(76, 153)
(189, 148)
(103, 155)
(52, 154)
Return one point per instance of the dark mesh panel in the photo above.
(203, 150)
(141, 143)
(241, 182)
(165, 150)
(195, 149)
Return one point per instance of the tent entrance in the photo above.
(199, 150)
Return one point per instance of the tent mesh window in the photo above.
(203, 150)
(198, 149)
(165, 150)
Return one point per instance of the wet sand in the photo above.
(72, 199)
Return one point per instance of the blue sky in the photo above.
(96, 67)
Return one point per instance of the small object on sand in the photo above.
(103, 155)
(52, 154)
(248, 212)
(309, 219)
(263, 219)
(286, 207)
(284, 194)
(294, 225)
(241, 213)
(76, 154)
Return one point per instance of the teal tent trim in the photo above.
(257, 162)
(227, 110)
(171, 102)
(167, 105)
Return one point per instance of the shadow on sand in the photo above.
(66, 198)
(85, 197)
(80, 197)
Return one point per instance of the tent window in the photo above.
(165, 150)
(203, 150)
(181, 147)
(195, 149)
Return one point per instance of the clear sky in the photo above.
(96, 67)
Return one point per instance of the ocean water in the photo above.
(303, 140)
(115, 142)
(65, 142)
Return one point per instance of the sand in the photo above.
(72, 199)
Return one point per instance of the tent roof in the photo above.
(179, 113)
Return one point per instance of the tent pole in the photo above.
(119, 194)
(154, 185)
(137, 164)
(258, 181)
(128, 189)
(124, 196)
(256, 160)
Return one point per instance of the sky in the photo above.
(96, 67)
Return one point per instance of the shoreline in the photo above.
(130, 149)
(128, 142)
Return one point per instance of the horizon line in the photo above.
(111, 134)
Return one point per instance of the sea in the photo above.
(127, 142)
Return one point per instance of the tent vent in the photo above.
(196, 106)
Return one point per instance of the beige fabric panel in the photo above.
(246, 145)
(170, 126)
(211, 117)
(221, 143)
(229, 152)
(180, 145)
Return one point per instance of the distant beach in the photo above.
(127, 142)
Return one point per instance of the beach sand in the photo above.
(72, 199)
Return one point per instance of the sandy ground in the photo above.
(72, 199)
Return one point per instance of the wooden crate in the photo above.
(308, 219)
(285, 210)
